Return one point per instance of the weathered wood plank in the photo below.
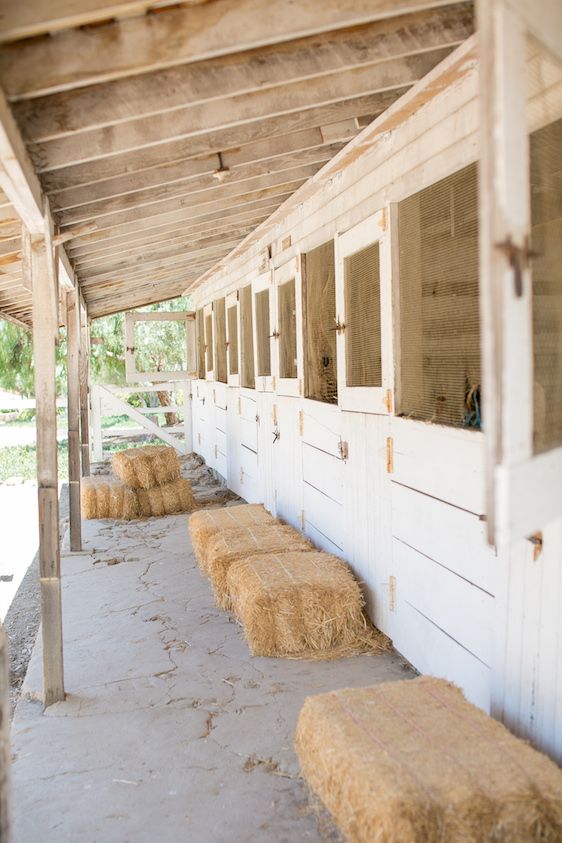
(129, 150)
(40, 266)
(73, 334)
(84, 377)
(178, 87)
(176, 36)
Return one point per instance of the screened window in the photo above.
(233, 339)
(220, 341)
(363, 358)
(247, 338)
(200, 322)
(319, 311)
(287, 330)
(209, 341)
(439, 309)
(546, 243)
(263, 333)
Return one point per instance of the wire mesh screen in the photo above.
(546, 243)
(319, 311)
(287, 330)
(209, 341)
(233, 339)
(363, 358)
(247, 377)
(220, 341)
(439, 311)
(200, 325)
(263, 333)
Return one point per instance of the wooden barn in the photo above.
(363, 201)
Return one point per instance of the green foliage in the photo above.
(159, 346)
(16, 360)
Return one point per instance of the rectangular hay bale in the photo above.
(204, 525)
(228, 546)
(302, 605)
(168, 499)
(147, 467)
(414, 762)
(104, 497)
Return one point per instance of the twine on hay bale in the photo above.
(204, 525)
(147, 467)
(302, 605)
(107, 498)
(230, 545)
(414, 762)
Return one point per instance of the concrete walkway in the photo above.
(171, 731)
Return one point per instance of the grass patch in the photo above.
(21, 460)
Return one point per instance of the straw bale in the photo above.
(301, 604)
(204, 525)
(414, 762)
(230, 545)
(167, 499)
(103, 497)
(147, 467)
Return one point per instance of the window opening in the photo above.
(263, 333)
(319, 311)
(200, 322)
(209, 341)
(233, 339)
(247, 338)
(287, 330)
(439, 302)
(220, 341)
(546, 244)
(363, 357)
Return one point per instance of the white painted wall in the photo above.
(421, 525)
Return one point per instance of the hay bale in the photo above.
(413, 761)
(301, 604)
(147, 467)
(168, 499)
(204, 525)
(230, 545)
(103, 497)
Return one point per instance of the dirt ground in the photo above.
(24, 616)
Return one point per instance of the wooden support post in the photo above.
(97, 438)
(187, 417)
(39, 269)
(5, 750)
(84, 358)
(73, 394)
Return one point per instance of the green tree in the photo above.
(16, 360)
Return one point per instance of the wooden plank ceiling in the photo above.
(163, 134)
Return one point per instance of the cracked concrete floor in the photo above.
(170, 730)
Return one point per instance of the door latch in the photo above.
(519, 258)
(276, 435)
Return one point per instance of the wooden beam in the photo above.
(27, 20)
(9, 318)
(303, 147)
(203, 200)
(115, 246)
(142, 253)
(40, 265)
(84, 378)
(206, 186)
(175, 88)
(73, 335)
(139, 45)
(182, 138)
(17, 175)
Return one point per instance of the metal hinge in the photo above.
(389, 454)
(239, 406)
(392, 594)
(216, 451)
(301, 422)
(536, 541)
(343, 448)
(519, 258)
(388, 401)
(241, 474)
(302, 519)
